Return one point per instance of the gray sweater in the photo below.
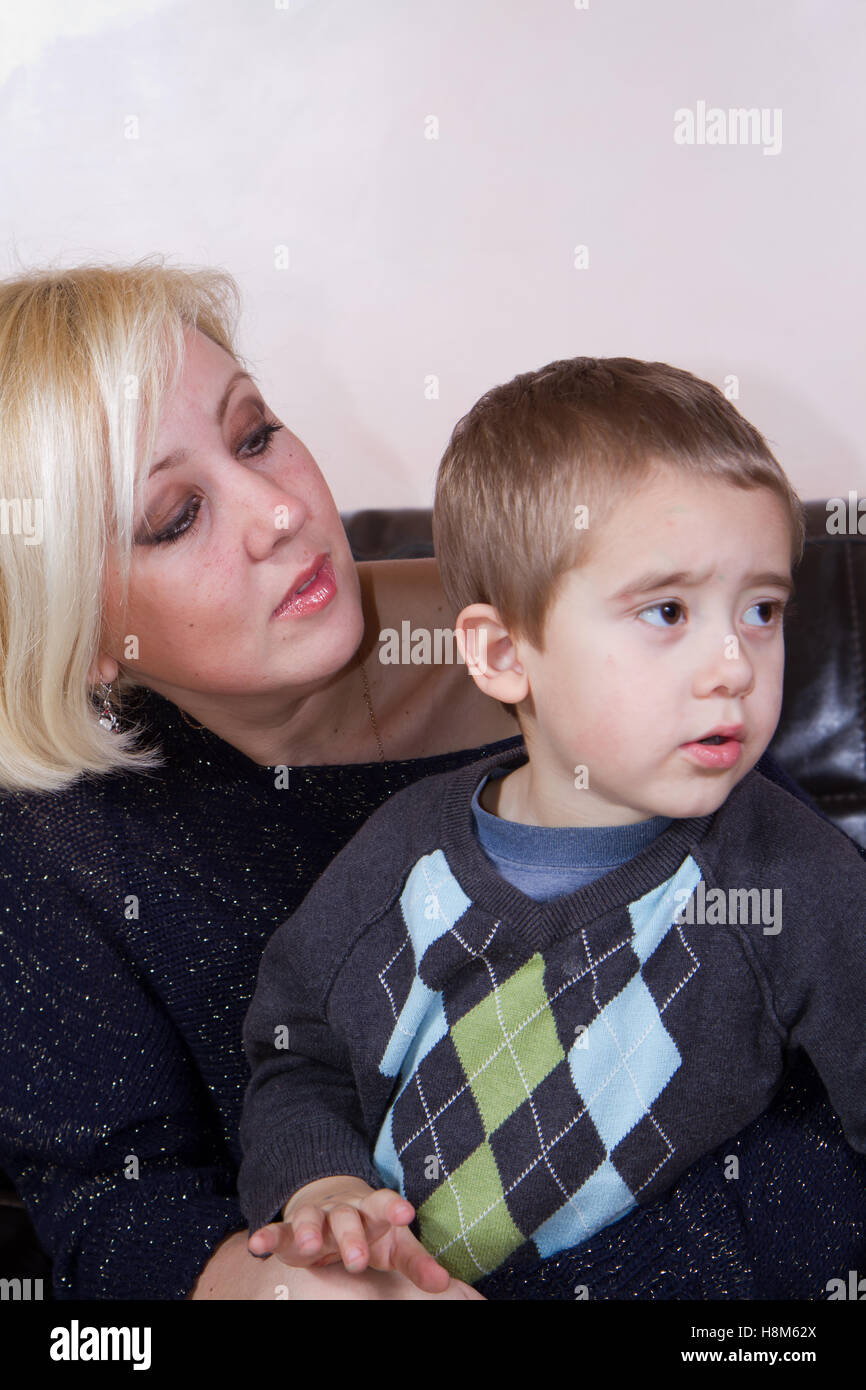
(527, 1072)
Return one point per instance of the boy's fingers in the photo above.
(388, 1207)
(411, 1259)
(297, 1242)
(263, 1241)
(305, 1230)
(311, 1234)
(382, 1211)
(347, 1229)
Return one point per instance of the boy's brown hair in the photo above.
(576, 433)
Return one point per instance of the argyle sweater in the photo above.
(526, 1072)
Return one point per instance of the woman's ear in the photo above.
(104, 670)
(491, 655)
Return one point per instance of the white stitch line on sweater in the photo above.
(534, 1164)
(618, 946)
(535, 1014)
(686, 978)
(601, 1086)
(570, 1200)
(479, 953)
(387, 988)
(464, 1229)
(624, 1056)
(407, 1032)
(506, 1192)
(527, 1089)
(472, 1076)
(606, 1021)
(647, 1109)
(623, 1059)
(683, 981)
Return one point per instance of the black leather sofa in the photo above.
(820, 741)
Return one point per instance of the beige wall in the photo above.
(223, 131)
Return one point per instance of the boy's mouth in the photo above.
(719, 749)
(723, 733)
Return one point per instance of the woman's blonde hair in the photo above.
(88, 356)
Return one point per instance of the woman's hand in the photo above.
(233, 1273)
(335, 1282)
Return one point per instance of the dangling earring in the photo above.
(107, 717)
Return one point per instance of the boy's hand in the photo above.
(343, 1218)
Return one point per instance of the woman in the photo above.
(193, 721)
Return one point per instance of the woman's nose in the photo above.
(267, 510)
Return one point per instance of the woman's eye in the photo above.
(665, 609)
(181, 524)
(253, 446)
(262, 437)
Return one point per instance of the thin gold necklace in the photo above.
(372, 715)
(193, 724)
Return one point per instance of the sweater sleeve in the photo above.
(302, 1117)
(813, 955)
(316, 1093)
(824, 1004)
(106, 1128)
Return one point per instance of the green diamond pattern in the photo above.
(470, 1202)
(508, 1033)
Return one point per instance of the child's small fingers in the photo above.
(430, 1276)
(388, 1208)
(264, 1241)
(412, 1260)
(383, 1210)
(304, 1229)
(347, 1229)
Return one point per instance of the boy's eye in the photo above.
(773, 608)
(670, 611)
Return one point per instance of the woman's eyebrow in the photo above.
(181, 455)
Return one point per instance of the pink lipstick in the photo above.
(311, 591)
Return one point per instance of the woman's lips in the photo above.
(319, 591)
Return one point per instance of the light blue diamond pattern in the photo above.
(432, 901)
(602, 1199)
(434, 1026)
(627, 1056)
(652, 915)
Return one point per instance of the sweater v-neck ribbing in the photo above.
(542, 922)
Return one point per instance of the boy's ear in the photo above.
(491, 657)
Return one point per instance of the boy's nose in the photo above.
(727, 669)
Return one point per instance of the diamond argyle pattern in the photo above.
(522, 1120)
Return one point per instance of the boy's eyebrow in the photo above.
(661, 579)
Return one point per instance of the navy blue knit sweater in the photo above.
(133, 914)
(556, 1062)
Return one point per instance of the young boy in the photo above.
(529, 993)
